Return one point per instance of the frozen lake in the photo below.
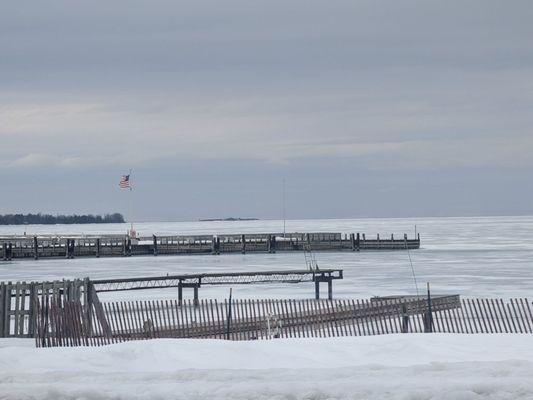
(482, 256)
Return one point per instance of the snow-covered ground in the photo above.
(403, 367)
(485, 256)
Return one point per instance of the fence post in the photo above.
(428, 317)
(228, 322)
(155, 244)
(405, 319)
(2, 307)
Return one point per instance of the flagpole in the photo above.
(131, 206)
(283, 206)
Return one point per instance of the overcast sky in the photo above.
(366, 108)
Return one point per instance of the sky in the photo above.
(364, 108)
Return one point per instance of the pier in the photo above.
(71, 246)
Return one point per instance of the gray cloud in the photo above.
(434, 89)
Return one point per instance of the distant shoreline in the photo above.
(48, 219)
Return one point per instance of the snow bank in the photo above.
(402, 367)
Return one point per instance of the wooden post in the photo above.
(216, 245)
(31, 309)
(2, 307)
(317, 289)
(88, 304)
(35, 248)
(4, 248)
(196, 302)
(330, 289)
(428, 320)
(243, 244)
(228, 322)
(352, 241)
(273, 243)
(67, 249)
(154, 237)
(405, 319)
(97, 247)
(358, 241)
(180, 293)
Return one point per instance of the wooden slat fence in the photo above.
(67, 324)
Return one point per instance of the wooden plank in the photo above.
(212, 321)
(192, 318)
(506, 317)
(110, 317)
(2, 308)
(249, 320)
(152, 318)
(526, 302)
(474, 318)
(490, 317)
(220, 320)
(450, 322)
(127, 323)
(458, 320)
(516, 316)
(170, 326)
(511, 318)
(257, 323)
(325, 328)
(312, 316)
(15, 312)
(355, 317)
(185, 320)
(523, 313)
(364, 318)
(7, 309)
(160, 317)
(23, 327)
(176, 318)
(288, 318)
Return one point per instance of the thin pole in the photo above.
(283, 207)
(131, 205)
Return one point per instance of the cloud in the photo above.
(395, 86)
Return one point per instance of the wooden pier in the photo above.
(69, 246)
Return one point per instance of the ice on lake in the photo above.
(482, 256)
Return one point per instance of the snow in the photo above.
(406, 367)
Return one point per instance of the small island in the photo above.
(48, 219)
(231, 219)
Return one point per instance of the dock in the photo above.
(72, 246)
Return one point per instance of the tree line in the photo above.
(48, 219)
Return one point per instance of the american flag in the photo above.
(125, 182)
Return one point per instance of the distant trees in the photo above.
(47, 219)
